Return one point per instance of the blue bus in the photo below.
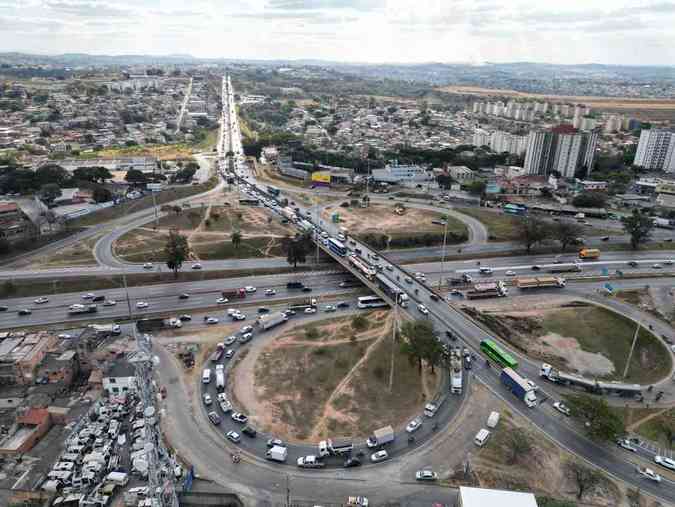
(337, 247)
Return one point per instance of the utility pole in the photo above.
(632, 348)
(445, 237)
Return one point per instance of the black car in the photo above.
(96, 299)
(306, 289)
(4, 308)
(358, 251)
(434, 297)
(536, 268)
(184, 296)
(185, 317)
(352, 462)
(342, 304)
(25, 311)
(605, 238)
(262, 309)
(249, 431)
(450, 335)
(633, 264)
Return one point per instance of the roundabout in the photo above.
(329, 380)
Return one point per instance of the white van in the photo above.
(493, 420)
(117, 478)
(481, 437)
(206, 376)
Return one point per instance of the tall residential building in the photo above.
(563, 148)
(656, 150)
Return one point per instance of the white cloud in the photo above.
(605, 31)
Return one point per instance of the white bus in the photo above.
(371, 302)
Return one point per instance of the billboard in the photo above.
(321, 178)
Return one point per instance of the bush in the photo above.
(312, 333)
(379, 372)
(359, 323)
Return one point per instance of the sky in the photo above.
(639, 32)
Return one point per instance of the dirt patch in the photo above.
(579, 337)
(587, 363)
(327, 377)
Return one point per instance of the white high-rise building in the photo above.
(481, 138)
(563, 149)
(656, 150)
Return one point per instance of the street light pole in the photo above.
(632, 348)
(445, 238)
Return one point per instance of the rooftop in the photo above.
(478, 497)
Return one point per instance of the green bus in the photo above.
(497, 354)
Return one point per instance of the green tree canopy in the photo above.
(639, 226)
(420, 343)
(590, 200)
(176, 251)
(533, 231)
(600, 422)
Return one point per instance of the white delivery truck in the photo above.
(277, 453)
(220, 377)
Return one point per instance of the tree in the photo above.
(566, 232)
(532, 231)
(185, 175)
(296, 249)
(52, 173)
(590, 200)
(176, 251)
(420, 343)
(135, 177)
(102, 194)
(49, 192)
(444, 181)
(236, 238)
(586, 478)
(476, 187)
(600, 422)
(639, 226)
(518, 445)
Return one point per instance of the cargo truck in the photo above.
(289, 213)
(234, 293)
(455, 372)
(310, 462)
(81, 309)
(273, 319)
(431, 408)
(519, 387)
(220, 377)
(487, 290)
(305, 225)
(106, 329)
(218, 353)
(277, 453)
(300, 306)
(335, 447)
(153, 324)
(381, 436)
(540, 282)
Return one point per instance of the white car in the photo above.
(41, 301)
(378, 456)
(222, 301)
(329, 308)
(657, 266)
(230, 340)
(211, 320)
(648, 473)
(229, 353)
(665, 462)
(109, 302)
(510, 272)
(196, 265)
(88, 295)
(233, 436)
(238, 316)
(422, 309)
(246, 329)
(532, 385)
(561, 407)
(65, 336)
(310, 310)
(414, 425)
(142, 304)
(250, 289)
(239, 417)
(624, 443)
(207, 399)
(147, 265)
(426, 475)
(270, 292)
(222, 397)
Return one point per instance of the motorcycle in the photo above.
(236, 458)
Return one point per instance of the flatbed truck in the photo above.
(540, 282)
